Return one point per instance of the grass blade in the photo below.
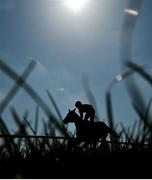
(90, 95)
(109, 109)
(16, 87)
(36, 119)
(28, 124)
(55, 105)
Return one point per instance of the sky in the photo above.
(68, 46)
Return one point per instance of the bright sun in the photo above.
(75, 5)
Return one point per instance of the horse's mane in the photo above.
(81, 120)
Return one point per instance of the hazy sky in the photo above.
(69, 45)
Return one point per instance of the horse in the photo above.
(89, 130)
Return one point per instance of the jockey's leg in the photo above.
(86, 117)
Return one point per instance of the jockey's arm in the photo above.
(81, 114)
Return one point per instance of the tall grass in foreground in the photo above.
(60, 152)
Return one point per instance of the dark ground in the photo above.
(77, 165)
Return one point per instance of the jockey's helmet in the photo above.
(78, 104)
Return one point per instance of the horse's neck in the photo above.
(80, 124)
(77, 120)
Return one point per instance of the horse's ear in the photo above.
(69, 110)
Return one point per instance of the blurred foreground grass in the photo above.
(41, 157)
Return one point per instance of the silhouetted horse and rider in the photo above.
(86, 129)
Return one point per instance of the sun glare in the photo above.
(75, 5)
(131, 12)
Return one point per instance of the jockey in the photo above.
(87, 109)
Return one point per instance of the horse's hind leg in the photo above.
(104, 145)
(104, 138)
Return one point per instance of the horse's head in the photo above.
(70, 116)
